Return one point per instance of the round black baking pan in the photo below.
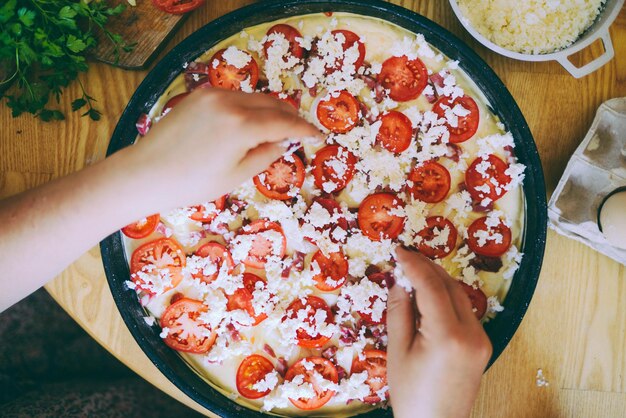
(500, 330)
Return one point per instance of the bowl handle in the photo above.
(592, 66)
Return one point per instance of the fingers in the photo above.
(258, 159)
(461, 303)
(272, 125)
(433, 298)
(263, 118)
(248, 100)
(400, 321)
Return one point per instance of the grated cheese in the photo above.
(531, 26)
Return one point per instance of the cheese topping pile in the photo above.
(531, 26)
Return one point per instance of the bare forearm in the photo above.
(45, 229)
(190, 157)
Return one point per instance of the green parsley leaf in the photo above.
(7, 11)
(78, 103)
(67, 13)
(74, 44)
(43, 48)
(47, 115)
(27, 17)
(94, 115)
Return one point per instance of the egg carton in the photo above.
(597, 168)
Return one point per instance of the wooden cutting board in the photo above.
(144, 24)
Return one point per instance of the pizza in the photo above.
(276, 293)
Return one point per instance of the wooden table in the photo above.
(575, 329)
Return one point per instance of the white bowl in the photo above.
(598, 30)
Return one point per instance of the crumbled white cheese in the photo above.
(362, 252)
(512, 258)
(236, 57)
(540, 379)
(365, 297)
(493, 305)
(491, 144)
(462, 258)
(297, 388)
(268, 382)
(531, 27)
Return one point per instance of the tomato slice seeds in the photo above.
(229, 76)
(311, 305)
(282, 179)
(380, 216)
(252, 370)
(405, 79)
(185, 330)
(462, 117)
(486, 178)
(395, 132)
(438, 238)
(321, 366)
(333, 168)
(489, 237)
(429, 182)
(339, 112)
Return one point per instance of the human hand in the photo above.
(213, 141)
(435, 360)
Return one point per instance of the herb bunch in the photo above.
(43, 47)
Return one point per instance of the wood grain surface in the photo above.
(575, 328)
(144, 25)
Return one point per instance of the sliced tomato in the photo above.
(252, 370)
(430, 182)
(286, 98)
(226, 76)
(177, 7)
(395, 132)
(242, 298)
(334, 267)
(375, 364)
(171, 103)
(262, 247)
(435, 225)
(311, 305)
(217, 255)
(487, 178)
(333, 208)
(142, 228)
(281, 178)
(350, 39)
(405, 79)
(320, 365)
(201, 214)
(478, 299)
(160, 254)
(185, 331)
(466, 125)
(375, 219)
(491, 248)
(339, 112)
(290, 33)
(325, 166)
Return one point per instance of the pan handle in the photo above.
(592, 66)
